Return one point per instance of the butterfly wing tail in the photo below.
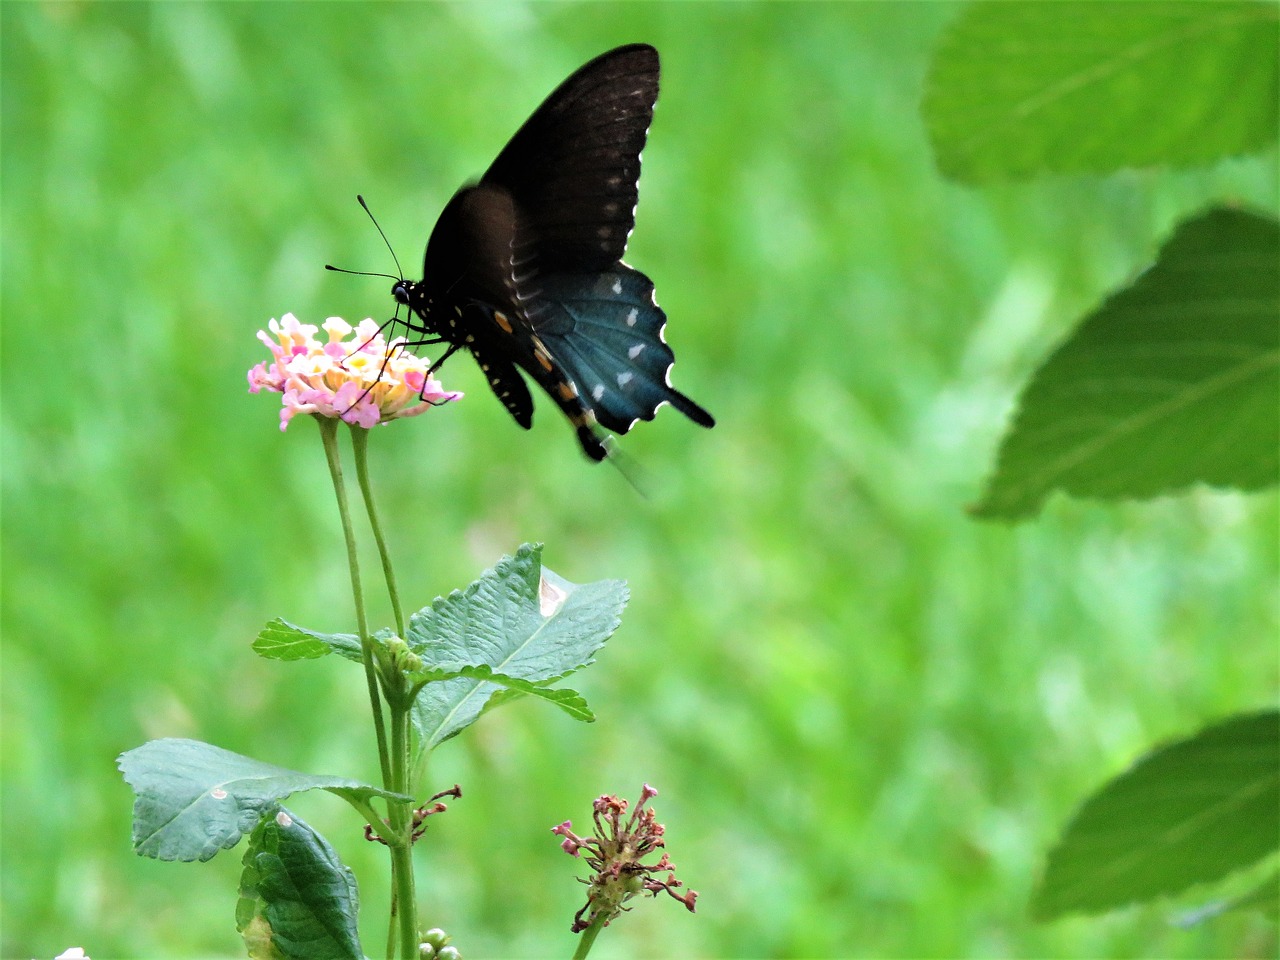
(689, 408)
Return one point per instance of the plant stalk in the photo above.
(402, 824)
(588, 937)
(360, 444)
(329, 435)
(404, 914)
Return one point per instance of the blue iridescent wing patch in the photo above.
(606, 333)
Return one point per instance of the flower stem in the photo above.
(589, 935)
(396, 774)
(402, 823)
(360, 444)
(329, 436)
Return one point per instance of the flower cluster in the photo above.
(615, 854)
(365, 380)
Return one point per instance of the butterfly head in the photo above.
(402, 291)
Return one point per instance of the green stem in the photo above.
(360, 444)
(329, 435)
(589, 936)
(399, 815)
(402, 823)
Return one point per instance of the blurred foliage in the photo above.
(1018, 89)
(1171, 382)
(1191, 811)
(866, 713)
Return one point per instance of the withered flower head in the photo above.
(616, 853)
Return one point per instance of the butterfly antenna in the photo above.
(384, 237)
(360, 273)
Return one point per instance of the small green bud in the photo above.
(403, 659)
(436, 937)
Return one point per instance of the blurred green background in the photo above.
(867, 714)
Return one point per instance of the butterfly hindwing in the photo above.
(606, 331)
(505, 382)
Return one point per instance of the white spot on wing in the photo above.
(624, 378)
(635, 351)
(631, 316)
(617, 286)
(597, 391)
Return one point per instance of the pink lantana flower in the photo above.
(363, 380)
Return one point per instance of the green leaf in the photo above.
(1018, 89)
(281, 640)
(519, 620)
(570, 701)
(297, 899)
(1171, 382)
(194, 799)
(1189, 812)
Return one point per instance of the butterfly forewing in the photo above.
(574, 167)
(470, 257)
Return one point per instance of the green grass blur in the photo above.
(867, 714)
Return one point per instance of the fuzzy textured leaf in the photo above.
(193, 799)
(1171, 382)
(281, 640)
(570, 701)
(1188, 812)
(1018, 89)
(297, 899)
(518, 620)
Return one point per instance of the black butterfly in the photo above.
(524, 268)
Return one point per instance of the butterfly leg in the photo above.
(430, 341)
(453, 348)
(391, 352)
(377, 333)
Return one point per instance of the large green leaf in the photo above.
(1022, 88)
(298, 901)
(1172, 382)
(193, 799)
(519, 620)
(1189, 812)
